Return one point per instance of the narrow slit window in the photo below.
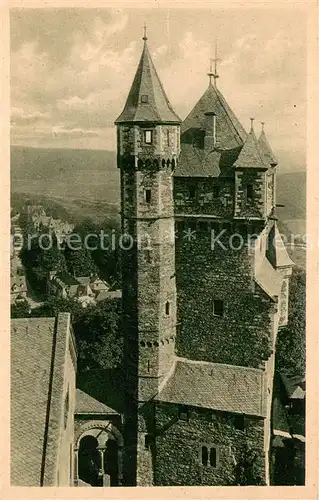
(148, 365)
(204, 455)
(218, 308)
(148, 195)
(192, 192)
(249, 192)
(183, 413)
(212, 457)
(168, 138)
(148, 136)
(147, 442)
(148, 256)
(167, 308)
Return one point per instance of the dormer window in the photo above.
(148, 136)
(144, 98)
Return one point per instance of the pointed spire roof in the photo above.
(251, 155)
(147, 101)
(266, 149)
(229, 131)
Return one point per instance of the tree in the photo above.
(291, 340)
(20, 309)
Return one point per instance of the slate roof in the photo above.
(277, 249)
(216, 386)
(268, 278)
(85, 404)
(230, 133)
(35, 343)
(266, 149)
(147, 83)
(109, 294)
(251, 155)
(295, 386)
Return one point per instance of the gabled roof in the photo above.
(147, 83)
(251, 155)
(216, 386)
(38, 357)
(229, 132)
(277, 252)
(269, 280)
(85, 404)
(266, 149)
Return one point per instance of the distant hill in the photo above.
(86, 183)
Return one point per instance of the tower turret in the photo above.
(148, 148)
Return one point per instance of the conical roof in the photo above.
(251, 155)
(147, 101)
(266, 149)
(229, 131)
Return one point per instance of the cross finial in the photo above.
(213, 74)
(251, 124)
(144, 37)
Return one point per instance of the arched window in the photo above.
(156, 344)
(168, 163)
(142, 343)
(149, 344)
(173, 163)
(167, 308)
(204, 455)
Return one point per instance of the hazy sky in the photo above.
(71, 70)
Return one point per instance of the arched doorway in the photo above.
(89, 461)
(98, 454)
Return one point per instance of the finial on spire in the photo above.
(251, 124)
(262, 126)
(213, 74)
(144, 37)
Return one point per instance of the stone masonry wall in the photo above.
(179, 442)
(206, 200)
(254, 207)
(243, 335)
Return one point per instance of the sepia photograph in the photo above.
(158, 246)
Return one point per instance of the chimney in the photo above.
(210, 140)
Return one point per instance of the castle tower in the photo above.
(148, 150)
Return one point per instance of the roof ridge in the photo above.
(226, 365)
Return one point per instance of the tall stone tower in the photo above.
(148, 150)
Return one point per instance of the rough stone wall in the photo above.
(243, 335)
(256, 206)
(179, 442)
(66, 447)
(204, 201)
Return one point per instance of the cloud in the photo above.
(77, 82)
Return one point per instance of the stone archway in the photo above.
(98, 452)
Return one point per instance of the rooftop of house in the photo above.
(147, 100)
(216, 386)
(109, 294)
(38, 347)
(295, 386)
(251, 155)
(87, 405)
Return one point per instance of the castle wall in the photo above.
(256, 206)
(178, 447)
(243, 336)
(206, 200)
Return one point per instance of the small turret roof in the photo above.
(251, 155)
(266, 149)
(147, 100)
